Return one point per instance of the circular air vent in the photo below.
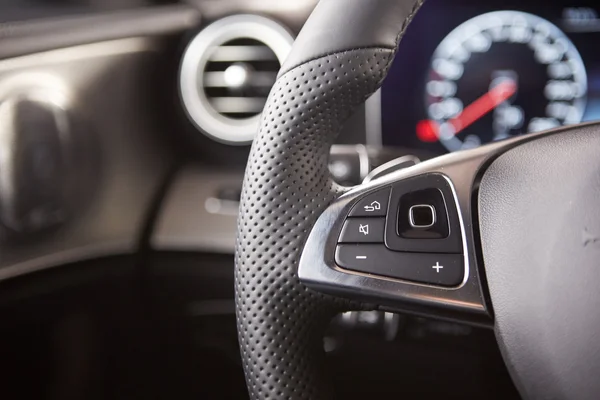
(227, 72)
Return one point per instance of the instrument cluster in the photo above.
(471, 74)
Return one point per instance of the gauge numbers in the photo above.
(502, 74)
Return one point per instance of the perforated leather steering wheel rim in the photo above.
(341, 57)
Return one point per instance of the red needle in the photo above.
(428, 130)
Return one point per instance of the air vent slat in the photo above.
(242, 53)
(257, 79)
(242, 105)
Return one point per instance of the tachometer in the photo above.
(502, 74)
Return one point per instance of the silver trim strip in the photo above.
(411, 216)
(391, 166)
(373, 124)
(86, 25)
(78, 254)
(363, 159)
(75, 53)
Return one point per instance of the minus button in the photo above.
(361, 257)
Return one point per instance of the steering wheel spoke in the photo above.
(406, 242)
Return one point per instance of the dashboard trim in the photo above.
(19, 38)
(132, 163)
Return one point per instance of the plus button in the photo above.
(437, 267)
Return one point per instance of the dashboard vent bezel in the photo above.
(197, 56)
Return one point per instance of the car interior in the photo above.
(263, 199)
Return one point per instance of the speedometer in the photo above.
(502, 74)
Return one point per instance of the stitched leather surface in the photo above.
(286, 187)
(340, 25)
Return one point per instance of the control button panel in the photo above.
(363, 230)
(372, 205)
(436, 269)
(409, 231)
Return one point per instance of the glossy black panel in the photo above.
(444, 236)
(363, 230)
(434, 269)
(373, 205)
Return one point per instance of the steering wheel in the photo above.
(506, 235)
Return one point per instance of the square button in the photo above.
(422, 216)
(363, 230)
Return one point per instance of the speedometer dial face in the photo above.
(502, 74)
